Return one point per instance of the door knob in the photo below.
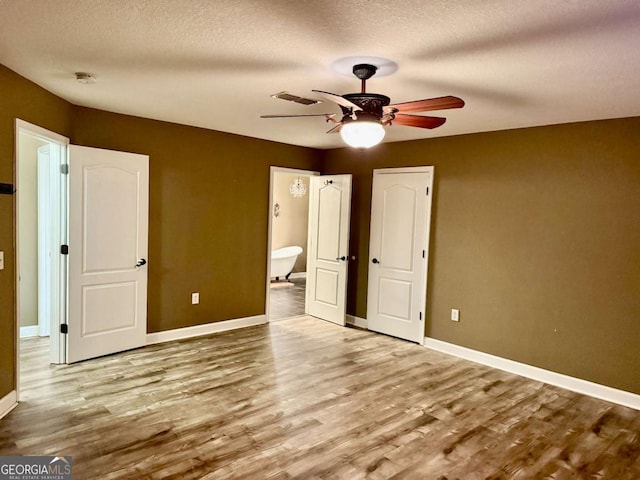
(343, 258)
(141, 262)
(375, 260)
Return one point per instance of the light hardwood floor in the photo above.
(287, 298)
(307, 399)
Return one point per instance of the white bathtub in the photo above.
(283, 260)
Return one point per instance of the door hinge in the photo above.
(420, 315)
(64, 328)
(423, 254)
(64, 249)
(7, 189)
(427, 190)
(64, 169)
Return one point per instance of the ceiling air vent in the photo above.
(294, 98)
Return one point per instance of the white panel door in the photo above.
(400, 218)
(108, 223)
(328, 245)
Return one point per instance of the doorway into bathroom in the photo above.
(288, 227)
(40, 230)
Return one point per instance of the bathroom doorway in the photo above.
(288, 226)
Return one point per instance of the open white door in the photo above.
(328, 245)
(108, 229)
(398, 248)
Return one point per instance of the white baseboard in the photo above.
(30, 331)
(206, 329)
(585, 387)
(8, 403)
(298, 275)
(357, 321)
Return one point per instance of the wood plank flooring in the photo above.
(302, 398)
(287, 298)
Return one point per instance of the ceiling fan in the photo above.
(364, 115)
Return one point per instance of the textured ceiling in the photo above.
(214, 64)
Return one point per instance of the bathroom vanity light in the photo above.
(298, 189)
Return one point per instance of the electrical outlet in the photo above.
(195, 298)
(455, 315)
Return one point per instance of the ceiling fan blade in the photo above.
(440, 103)
(343, 102)
(417, 121)
(326, 115)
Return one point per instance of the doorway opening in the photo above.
(288, 236)
(40, 231)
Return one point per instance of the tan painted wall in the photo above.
(535, 233)
(28, 229)
(25, 100)
(290, 227)
(208, 213)
(535, 238)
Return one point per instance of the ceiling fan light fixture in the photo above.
(362, 133)
(365, 115)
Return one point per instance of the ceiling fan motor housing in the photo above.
(371, 103)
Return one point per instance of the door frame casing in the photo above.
(44, 269)
(272, 171)
(57, 340)
(425, 274)
(49, 201)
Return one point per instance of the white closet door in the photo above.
(398, 249)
